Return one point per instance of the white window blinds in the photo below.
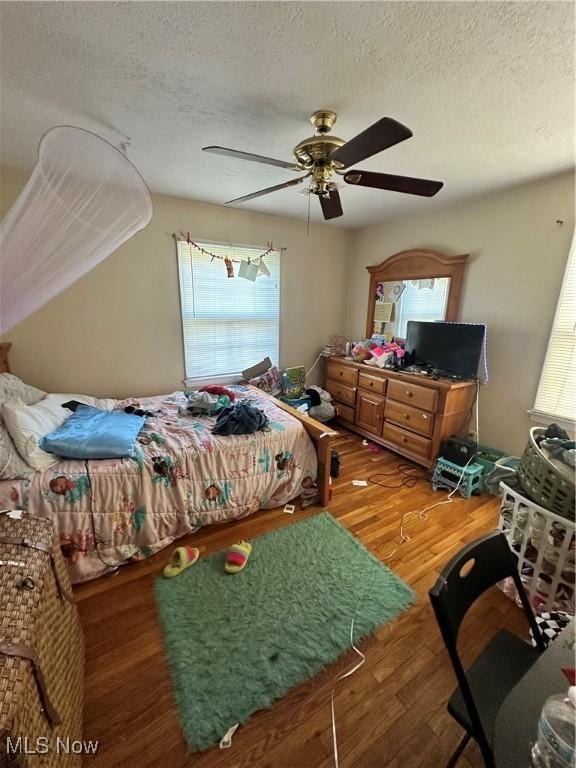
(228, 324)
(423, 300)
(556, 394)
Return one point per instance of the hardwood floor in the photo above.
(390, 714)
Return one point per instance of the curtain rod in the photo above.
(182, 238)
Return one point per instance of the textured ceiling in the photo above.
(486, 87)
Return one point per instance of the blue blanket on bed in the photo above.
(91, 433)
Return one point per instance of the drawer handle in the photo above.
(404, 439)
(425, 416)
(410, 394)
(407, 416)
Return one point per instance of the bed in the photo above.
(109, 512)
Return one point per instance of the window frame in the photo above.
(538, 416)
(401, 310)
(197, 381)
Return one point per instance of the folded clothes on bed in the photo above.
(240, 419)
(91, 433)
(204, 404)
(215, 389)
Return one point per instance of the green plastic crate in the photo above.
(488, 457)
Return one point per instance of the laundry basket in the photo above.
(544, 545)
(547, 481)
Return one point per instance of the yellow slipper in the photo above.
(182, 558)
(237, 556)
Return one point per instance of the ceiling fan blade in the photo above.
(406, 184)
(249, 156)
(331, 205)
(291, 183)
(383, 134)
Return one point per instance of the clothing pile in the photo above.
(555, 441)
(207, 401)
(559, 445)
(240, 419)
(321, 407)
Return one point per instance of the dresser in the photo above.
(407, 413)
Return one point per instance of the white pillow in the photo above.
(12, 465)
(27, 424)
(104, 403)
(13, 388)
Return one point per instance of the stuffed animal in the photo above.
(362, 351)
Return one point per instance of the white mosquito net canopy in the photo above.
(83, 200)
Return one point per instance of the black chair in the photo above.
(484, 686)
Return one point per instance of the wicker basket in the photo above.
(38, 617)
(550, 483)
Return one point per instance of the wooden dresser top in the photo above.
(413, 378)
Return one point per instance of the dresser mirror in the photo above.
(413, 285)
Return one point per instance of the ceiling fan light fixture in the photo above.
(323, 155)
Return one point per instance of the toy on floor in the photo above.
(237, 557)
(182, 558)
(469, 480)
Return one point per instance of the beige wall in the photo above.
(117, 331)
(517, 258)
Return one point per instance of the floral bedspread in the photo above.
(107, 512)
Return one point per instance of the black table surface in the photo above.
(517, 721)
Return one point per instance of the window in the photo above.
(556, 396)
(228, 324)
(423, 300)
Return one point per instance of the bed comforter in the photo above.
(108, 512)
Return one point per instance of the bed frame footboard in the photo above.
(323, 438)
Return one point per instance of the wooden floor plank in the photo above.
(390, 714)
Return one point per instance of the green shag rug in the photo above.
(236, 643)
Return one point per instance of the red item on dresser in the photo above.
(214, 389)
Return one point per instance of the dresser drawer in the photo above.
(341, 392)
(418, 397)
(372, 383)
(343, 373)
(406, 440)
(412, 418)
(344, 412)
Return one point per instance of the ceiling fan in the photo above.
(323, 155)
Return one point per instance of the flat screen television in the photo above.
(450, 348)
